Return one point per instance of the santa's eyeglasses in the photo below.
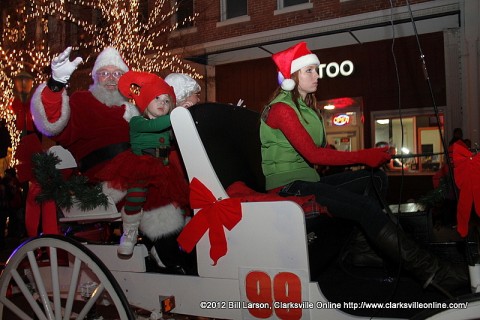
(106, 74)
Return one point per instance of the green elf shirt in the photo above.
(149, 133)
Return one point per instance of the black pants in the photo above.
(351, 195)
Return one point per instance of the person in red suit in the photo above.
(21, 103)
(94, 126)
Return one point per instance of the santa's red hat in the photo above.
(146, 87)
(293, 59)
(109, 57)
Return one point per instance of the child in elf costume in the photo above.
(145, 169)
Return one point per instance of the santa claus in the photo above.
(93, 126)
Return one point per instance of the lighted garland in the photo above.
(65, 192)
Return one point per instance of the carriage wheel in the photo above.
(53, 277)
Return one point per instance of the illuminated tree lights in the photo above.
(7, 114)
(138, 31)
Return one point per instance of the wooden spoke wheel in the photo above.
(54, 277)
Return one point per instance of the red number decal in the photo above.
(258, 289)
(285, 288)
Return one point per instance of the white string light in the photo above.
(139, 42)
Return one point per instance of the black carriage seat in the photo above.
(231, 138)
(230, 135)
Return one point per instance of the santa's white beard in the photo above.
(107, 97)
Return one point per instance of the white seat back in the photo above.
(271, 235)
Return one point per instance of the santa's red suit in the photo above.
(85, 126)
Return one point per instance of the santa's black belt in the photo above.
(101, 155)
(161, 152)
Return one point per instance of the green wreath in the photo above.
(65, 192)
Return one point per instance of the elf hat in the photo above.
(109, 57)
(148, 87)
(293, 59)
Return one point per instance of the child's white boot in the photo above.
(130, 233)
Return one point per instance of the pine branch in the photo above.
(435, 197)
(65, 192)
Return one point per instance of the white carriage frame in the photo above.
(270, 237)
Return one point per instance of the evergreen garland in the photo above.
(435, 197)
(65, 192)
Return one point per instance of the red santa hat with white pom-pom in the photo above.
(293, 59)
(109, 57)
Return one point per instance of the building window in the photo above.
(416, 136)
(233, 8)
(185, 14)
(288, 3)
(143, 12)
(286, 6)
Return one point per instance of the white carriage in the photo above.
(54, 277)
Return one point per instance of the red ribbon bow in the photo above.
(467, 177)
(213, 216)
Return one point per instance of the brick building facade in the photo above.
(234, 54)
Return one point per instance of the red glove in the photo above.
(284, 118)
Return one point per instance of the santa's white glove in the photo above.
(62, 67)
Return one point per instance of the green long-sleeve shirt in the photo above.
(149, 133)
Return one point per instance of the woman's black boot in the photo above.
(424, 265)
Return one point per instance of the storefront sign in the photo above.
(341, 120)
(333, 69)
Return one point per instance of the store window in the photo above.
(343, 122)
(416, 138)
(233, 9)
(185, 14)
